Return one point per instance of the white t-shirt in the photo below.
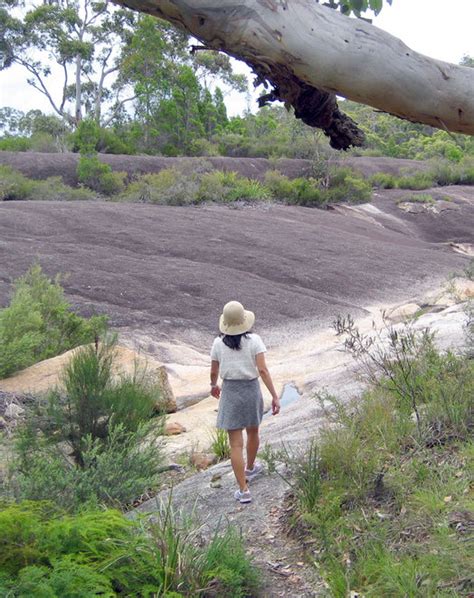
(238, 364)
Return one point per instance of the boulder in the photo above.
(173, 428)
(13, 411)
(463, 289)
(203, 460)
(3, 423)
(404, 312)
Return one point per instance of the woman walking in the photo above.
(238, 356)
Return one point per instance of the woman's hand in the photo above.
(275, 405)
(216, 391)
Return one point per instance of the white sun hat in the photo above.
(235, 319)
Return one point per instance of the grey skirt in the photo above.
(240, 405)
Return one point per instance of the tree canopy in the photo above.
(307, 54)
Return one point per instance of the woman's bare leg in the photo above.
(253, 441)
(236, 442)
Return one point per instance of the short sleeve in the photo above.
(215, 351)
(258, 345)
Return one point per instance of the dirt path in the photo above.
(285, 569)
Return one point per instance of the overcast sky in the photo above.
(438, 28)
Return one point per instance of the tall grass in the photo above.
(384, 490)
(220, 444)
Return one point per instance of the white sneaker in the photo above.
(250, 474)
(243, 497)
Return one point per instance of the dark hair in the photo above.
(233, 340)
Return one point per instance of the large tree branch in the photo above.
(40, 86)
(116, 109)
(310, 53)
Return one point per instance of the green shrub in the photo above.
(382, 180)
(228, 568)
(107, 451)
(15, 144)
(38, 323)
(91, 172)
(167, 187)
(354, 190)
(279, 185)
(220, 444)
(14, 185)
(214, 186)
(115, 471)
(419, 198)
(418, 180)
(98, 176)
(306, 192)
(203, 147)
(221, 186)
(46, 552)
(95, 402)
(466, 172)
(54, 189)
(347, 185)
(247, 190)
(44, 142)
(386, 483)
(444, 172)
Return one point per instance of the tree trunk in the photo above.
(78, 102)
(310, 53)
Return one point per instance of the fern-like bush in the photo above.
(47, 552)
(39, 323)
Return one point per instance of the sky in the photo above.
(440, 29)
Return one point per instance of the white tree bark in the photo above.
(299, 45)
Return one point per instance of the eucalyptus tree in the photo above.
(70, 50)
(307, 54)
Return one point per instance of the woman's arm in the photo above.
(215, 388)
(267, 380)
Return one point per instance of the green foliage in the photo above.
(174, 186)
(15, 186)
(220, 444)
(388, 476)
(14, 144)
(419, 198)
(169, 186)
(382, 180)
(38, 323)
(98, 176)
(91, 172)
(387, 135)
(347, 185)
(114, 471)
(95, 402)
(107, 451)
(228, 567)
(356, 6)
(418, 180)
(100, 552)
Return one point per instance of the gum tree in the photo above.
(307, 53)
(79, 37)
